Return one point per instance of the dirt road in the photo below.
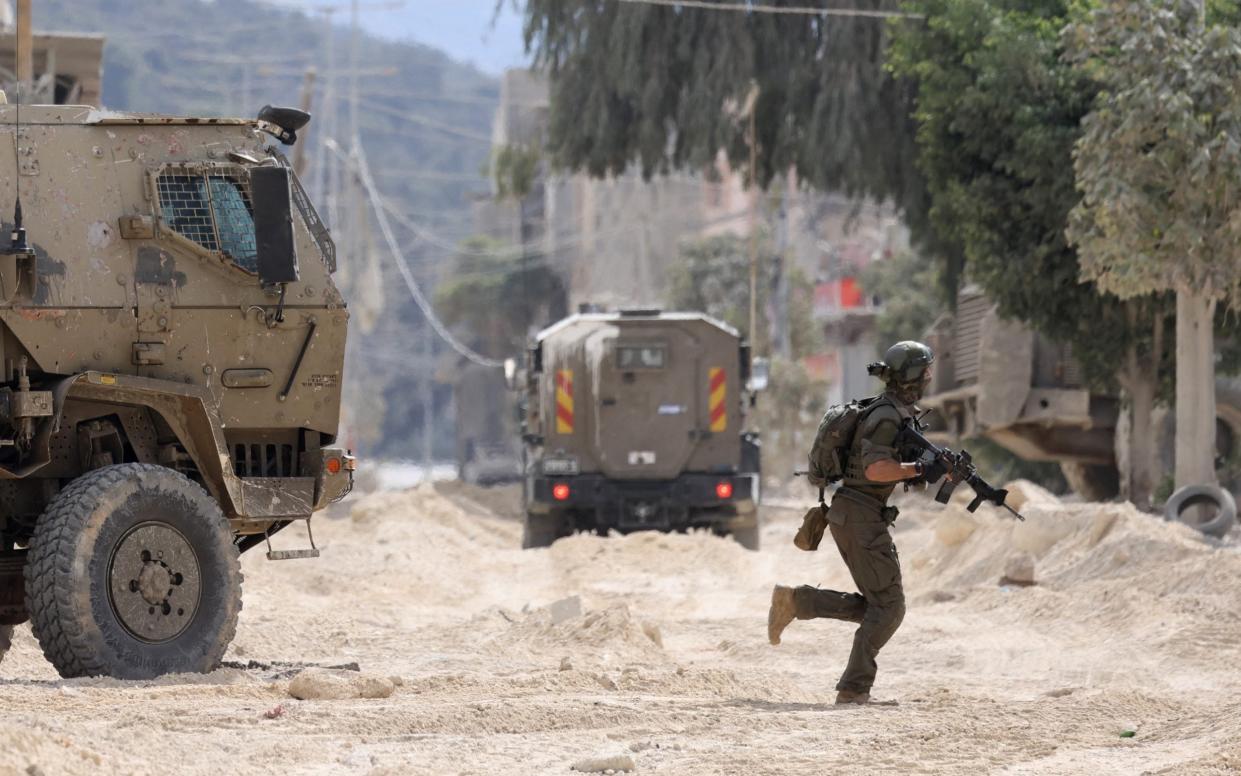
(1134, 625)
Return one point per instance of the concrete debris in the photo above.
(329, 684)
(620, 762)
(1019, 570)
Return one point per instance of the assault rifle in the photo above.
(960, 469)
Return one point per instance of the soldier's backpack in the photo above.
(829, 454)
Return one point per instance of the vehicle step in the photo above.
(292, 554)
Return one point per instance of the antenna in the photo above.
(17, 238)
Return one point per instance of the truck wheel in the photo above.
(747, 537)
(542, 530)
(1194, 495)
(1093, 482)
(133, 573)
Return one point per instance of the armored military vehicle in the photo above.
(171, 347)
(1001, 379)
(636, 420)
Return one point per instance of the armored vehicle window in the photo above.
(212, 210)
(234, 221)
(641, 356)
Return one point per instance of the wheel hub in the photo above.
(154, 582)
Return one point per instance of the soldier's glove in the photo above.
(931, 470)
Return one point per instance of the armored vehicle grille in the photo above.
(212, 209)
(971, 310)
(263, 460)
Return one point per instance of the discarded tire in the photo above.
(1196, 495)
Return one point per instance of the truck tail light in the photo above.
(723, 490)
(560, 491)
(333, 466)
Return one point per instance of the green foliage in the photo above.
(902, 284)
(513, 168)
(498, 295)
(713, 276)
(664, 88)
(1159, 163)
(998, 115)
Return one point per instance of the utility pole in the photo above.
(25, 48)
(751, 102)
(299, 150)
(783, 339)
(428, 399)
(354, 34)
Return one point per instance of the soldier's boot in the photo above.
(783, 611)
(849, 696)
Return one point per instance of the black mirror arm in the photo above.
(279, 317)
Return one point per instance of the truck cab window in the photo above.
(212, 210)
(235, 221)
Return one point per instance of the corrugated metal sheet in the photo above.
(971, 310)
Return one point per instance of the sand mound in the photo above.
(1071, 542)
(613, 630)
(432, 519)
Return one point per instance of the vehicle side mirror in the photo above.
(760, 371)
(273, 225)
(510, 374)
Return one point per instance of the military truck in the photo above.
(635, 420)
(1001, 379)
(171, 347)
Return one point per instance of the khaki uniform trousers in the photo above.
(878, 607)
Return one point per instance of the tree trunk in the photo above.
(1142, 439)
(1135, 440)
(1195, 388)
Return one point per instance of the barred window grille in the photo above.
(213, 210)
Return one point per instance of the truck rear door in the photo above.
(647, 403)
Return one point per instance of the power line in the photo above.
(381, 216)
(429, 123)
(711, 5)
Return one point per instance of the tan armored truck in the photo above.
(1000, 379)
(636, 420)
(171, 346)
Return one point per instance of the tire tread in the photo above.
(49, 567)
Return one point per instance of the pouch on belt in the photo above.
(812, 527)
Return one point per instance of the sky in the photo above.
(462, 28)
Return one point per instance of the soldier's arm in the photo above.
(879, 459)
(891, 470)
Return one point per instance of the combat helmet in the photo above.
(902, 367)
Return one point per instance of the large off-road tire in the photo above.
(1093, 482)
(133, 573)
(541, 530)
